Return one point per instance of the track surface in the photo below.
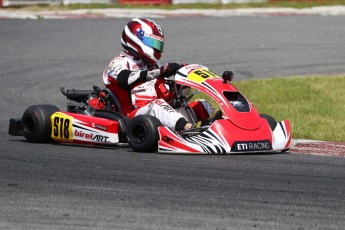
(63, 187)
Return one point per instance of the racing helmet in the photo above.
(144, 38)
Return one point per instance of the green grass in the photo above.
(277, 3)
(314, 105)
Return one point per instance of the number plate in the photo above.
(61, 126)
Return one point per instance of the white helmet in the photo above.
(144, 38)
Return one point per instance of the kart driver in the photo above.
(137, 79)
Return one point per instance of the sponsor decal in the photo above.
(168, 108)
(98, 127)
(164, 106)
(251, 146)
(189, 68)
(90, 136)
(168, 140)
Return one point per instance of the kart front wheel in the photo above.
(36, 123)
(142, 133)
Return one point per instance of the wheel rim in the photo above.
(138, 134)
(28, 125)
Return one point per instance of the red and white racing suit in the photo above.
(134, 84)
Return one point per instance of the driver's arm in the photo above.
(119, 70)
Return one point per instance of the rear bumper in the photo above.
(15, 127)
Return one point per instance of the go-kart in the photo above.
(241, 129)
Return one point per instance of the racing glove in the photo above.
(165, 71)
(169, 69)
(153, 74)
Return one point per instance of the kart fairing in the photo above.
(224, 137)
(240, 130)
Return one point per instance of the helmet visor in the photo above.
(154, 43)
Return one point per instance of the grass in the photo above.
(314, 105)
(272, 3)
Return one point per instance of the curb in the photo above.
(322, 148)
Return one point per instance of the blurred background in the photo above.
(7, 3)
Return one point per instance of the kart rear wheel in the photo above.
(142, 133)
(36, 123)
(270, 120)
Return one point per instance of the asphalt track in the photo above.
(47, 186)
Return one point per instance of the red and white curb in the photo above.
(323, 148)
(161, 13)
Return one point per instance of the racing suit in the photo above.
(133, 83)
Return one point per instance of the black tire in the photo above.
(142, 133)
(36, 123)
(270, 120)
